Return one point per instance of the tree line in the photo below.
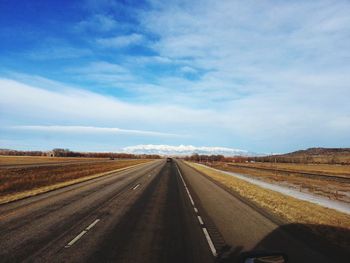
(59, 152)
(301, 159)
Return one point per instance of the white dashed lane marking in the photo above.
(92, 224)
(71, 243)
(200, 220)
(82, 233)
(210, 242)
(205, 231)
(135, 187)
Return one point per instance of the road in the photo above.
(155, 212)
(246, 227)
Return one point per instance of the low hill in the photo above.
(320, 151)
(317, 155)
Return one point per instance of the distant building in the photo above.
(50, 154)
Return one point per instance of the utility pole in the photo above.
(275, 166)
(271, 159)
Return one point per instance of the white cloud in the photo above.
(101, 67)
(21, 101)
(187, 69)
(89, 129)
(58, 52)
(150, 60)
(121, 41)
(234, 41)
(102, 72)
(98, 22)
(254, 120)
(278, 70)
(182, 150)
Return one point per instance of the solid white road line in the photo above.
(76, 239)
(200, 220)
(210, 242)
(136, 187)
(92, 224)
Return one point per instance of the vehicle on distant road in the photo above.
(168, 159)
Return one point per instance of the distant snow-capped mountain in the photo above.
(184, 150)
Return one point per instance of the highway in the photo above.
(156, 212)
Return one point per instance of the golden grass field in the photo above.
(14, 160)
(290, 209)
(330, 189)
(18, 182)
(329, 169)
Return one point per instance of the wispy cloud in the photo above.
(188, 69)
(102, 72)
(58, 52)
(89, 129)
(121, 41)
(248, 53)
(69, 104)
(97, 22)
(101, 67)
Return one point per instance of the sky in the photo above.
(260, 76)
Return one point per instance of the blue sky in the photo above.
(263, 76)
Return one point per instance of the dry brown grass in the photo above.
(14, 181)
(290, 209)
(329, 169)
(330, 189)
(14, 160)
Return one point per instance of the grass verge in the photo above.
(289, 209)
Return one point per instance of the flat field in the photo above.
(332, 188)
(328, 169)
(14, 160)
(17, 182)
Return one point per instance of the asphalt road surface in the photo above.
(156, 212)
